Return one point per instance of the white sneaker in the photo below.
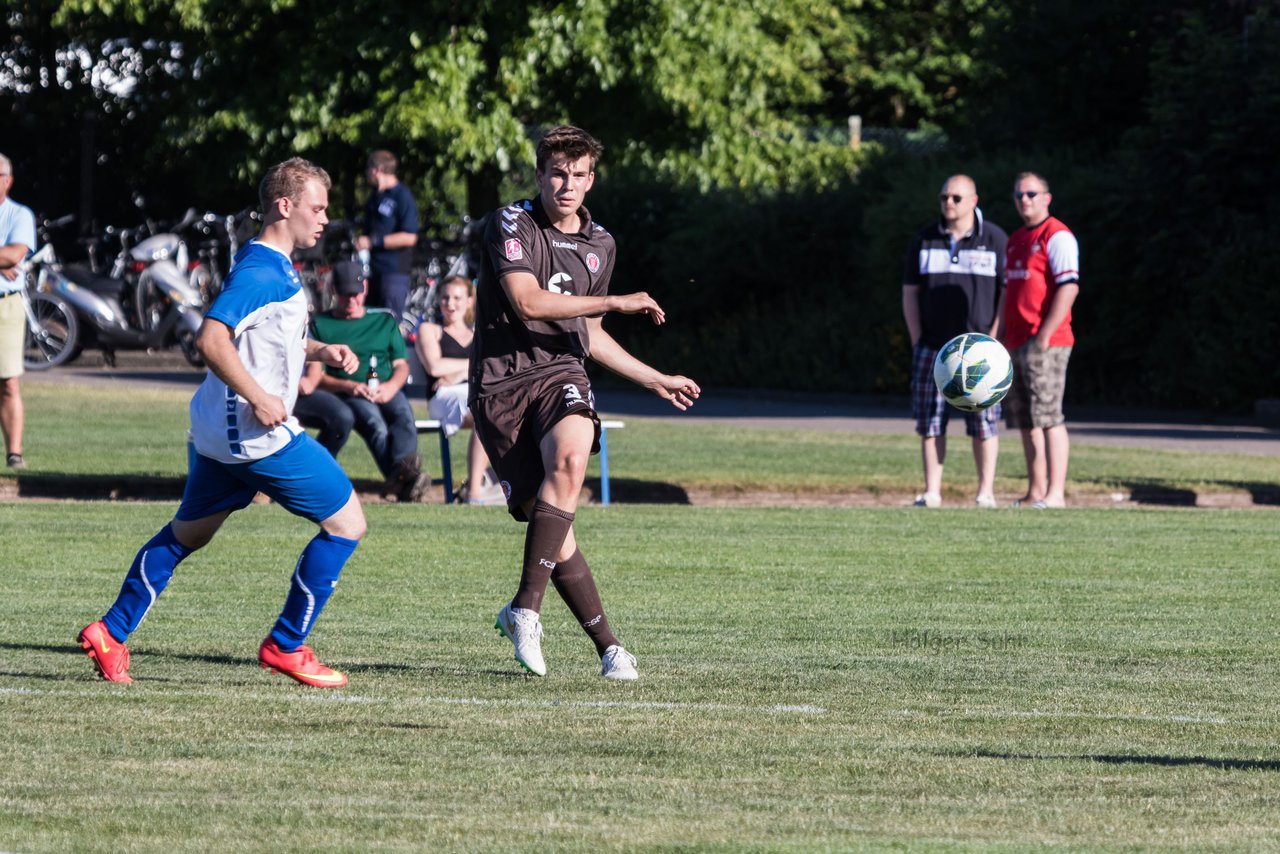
(617, 663)
(524, 629)
(985, 501)
(927, 499)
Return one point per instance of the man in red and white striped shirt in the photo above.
(1042, 274)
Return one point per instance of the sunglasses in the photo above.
(1030, 194)
(955, 199)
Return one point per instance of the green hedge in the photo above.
(1177, 306)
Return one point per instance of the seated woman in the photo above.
(444, 349)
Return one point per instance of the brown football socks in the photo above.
(577, 587)
(548, 526)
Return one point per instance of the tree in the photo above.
(699, 92)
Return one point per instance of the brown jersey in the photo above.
(508, 351)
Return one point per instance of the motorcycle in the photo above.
(146, 302)
(217, 239)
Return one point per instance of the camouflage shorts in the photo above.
(1039, 379)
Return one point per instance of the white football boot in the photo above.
(617, 663)
(524, 629)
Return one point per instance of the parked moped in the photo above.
(147, 302)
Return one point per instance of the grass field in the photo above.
(820, 678)
(816, 679)
(77, 436)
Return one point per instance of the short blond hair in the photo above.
(287, 180)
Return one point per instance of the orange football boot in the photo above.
(301, 664)
(109, 655)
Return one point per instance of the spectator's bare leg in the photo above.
(933, 450)
(985, 452)
(1057, 450)
(1037, 469)
(11, 414)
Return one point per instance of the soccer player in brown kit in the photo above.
(543, 290)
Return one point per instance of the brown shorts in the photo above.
(511, 425)
(1039, 380)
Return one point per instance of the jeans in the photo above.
(329, 414)
(389, 291)
(387, 428)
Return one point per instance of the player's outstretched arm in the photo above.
(216, 346)
(533, 303)
(606, 351)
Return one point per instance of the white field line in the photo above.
(641, 705)
(341, 697)
(1008, 714)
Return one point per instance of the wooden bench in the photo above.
(431, 425)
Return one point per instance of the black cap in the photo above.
(348, 278)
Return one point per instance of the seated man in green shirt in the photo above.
(374, 392)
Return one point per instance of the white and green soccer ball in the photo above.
(973, 371)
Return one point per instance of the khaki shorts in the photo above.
(13, 330)
(1039, 380)
(512, 424)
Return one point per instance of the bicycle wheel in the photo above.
(53, 333)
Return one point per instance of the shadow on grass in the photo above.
(105, 487)
(630, 491)
(48, 485)
(1160, 494)
(1138, 759)
(1263, 493)
(252, 661)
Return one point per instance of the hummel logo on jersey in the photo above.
(560, 244)
(514, 250)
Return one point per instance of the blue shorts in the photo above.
(302, 477)
(931, 409)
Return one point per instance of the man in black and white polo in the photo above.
(952, 282)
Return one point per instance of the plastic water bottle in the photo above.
(373, 380)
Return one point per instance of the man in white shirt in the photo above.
(17, 242)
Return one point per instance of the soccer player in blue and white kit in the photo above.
(244, 439)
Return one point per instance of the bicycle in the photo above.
(53, 330)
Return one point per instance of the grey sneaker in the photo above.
(524, 629)
(617, 663)
(417, 490)
(15, 461)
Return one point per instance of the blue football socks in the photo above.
(312, 585)
(152, 568)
